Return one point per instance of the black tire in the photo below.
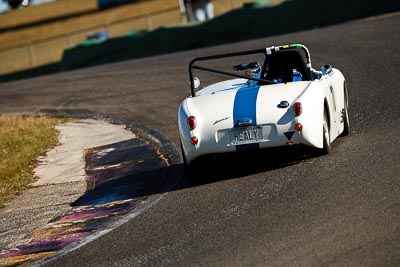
(196, 167)
(346, 124)
(183, 156)
(326, 136)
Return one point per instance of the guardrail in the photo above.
(40, 52)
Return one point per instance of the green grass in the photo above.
(22, 140)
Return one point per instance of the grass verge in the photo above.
(22, 140)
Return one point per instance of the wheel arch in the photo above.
(313, 102)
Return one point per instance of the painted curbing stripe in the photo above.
(100, 233)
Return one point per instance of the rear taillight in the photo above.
(297, 109)
(191, 122)
(194, 140)
(298, 127)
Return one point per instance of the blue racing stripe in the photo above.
(245, 105)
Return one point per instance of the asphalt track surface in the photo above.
(342, 209)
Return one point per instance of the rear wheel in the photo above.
(326, 136)
(346, 124)
(183, 156)
(197, 167)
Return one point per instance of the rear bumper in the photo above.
(221, 141)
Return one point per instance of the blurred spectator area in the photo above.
(38, 35)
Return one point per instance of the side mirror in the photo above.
(196, 83)
(326, 69)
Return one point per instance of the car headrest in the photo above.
(284, 62)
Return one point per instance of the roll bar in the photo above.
(265, 51)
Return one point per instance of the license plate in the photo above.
(246, 135)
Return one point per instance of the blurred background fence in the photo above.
(34, 53)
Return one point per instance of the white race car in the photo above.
(281, 102)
